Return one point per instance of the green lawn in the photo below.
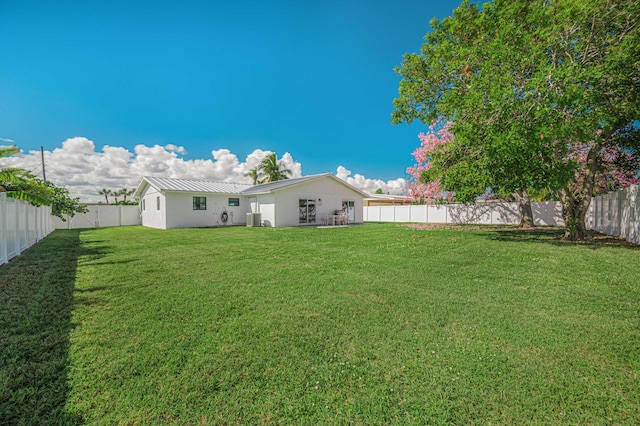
(372, 324)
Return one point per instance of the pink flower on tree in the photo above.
(618, 168)
(430, 141)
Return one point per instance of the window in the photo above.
(143, 205)
(199, 203)
(157, 203)
(234, 202)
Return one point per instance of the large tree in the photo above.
(522, 80)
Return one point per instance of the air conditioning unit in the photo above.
(257, 219)
(254, 219)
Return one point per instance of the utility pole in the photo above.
(44, 175)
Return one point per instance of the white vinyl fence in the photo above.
(618, 214)
(544, 214)
(21, 226)
(101, 216)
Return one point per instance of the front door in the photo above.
(307, 211)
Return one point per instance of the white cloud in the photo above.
(174, 148)
(7, 140)
(84, 171)
(393, 187)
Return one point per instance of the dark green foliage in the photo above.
(521, 80)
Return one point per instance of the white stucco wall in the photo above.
(149, 213)
(265, 206)
(180, 213)
(331, 193)
(278, 209)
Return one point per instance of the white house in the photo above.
(309, 200)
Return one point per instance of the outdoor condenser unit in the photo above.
(254, 219)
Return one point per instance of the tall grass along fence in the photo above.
(101, 216)
(21, 226)
(618, 214)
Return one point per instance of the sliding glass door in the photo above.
(307, 211)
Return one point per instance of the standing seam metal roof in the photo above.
(272, 186)
(169, 184)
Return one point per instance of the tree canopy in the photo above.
(523, 80)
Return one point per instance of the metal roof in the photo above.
(190, 185)
(168, 184)
(274, 186)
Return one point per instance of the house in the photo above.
(309, 200)
(386, 200)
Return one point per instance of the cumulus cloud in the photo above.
(83, 170)
(393, 187)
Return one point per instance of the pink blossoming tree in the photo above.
(618, 168)
(428, 192)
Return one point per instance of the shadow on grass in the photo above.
(547, 234)
(36, 302)
(554, 236)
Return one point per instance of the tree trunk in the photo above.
(576, 205)
(574, 212)
(524, 207)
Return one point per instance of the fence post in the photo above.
(37, 230)
(635, 208)
(622, 231)
(16, 211)
(3, 228)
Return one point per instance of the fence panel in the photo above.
(101, 216)
(436, 214)
(418, 213)
(21, 226)
(548, 213)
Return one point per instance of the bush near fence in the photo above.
(21, 226)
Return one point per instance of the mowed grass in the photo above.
(372, 324)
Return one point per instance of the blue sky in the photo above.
(314, 79)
